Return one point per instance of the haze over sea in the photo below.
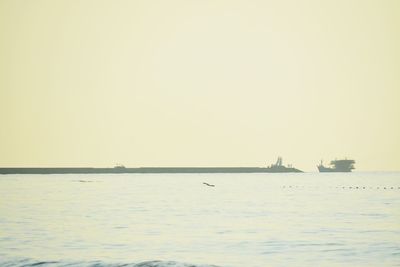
(307, 219)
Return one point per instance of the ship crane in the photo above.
(279, 161)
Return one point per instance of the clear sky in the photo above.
(199, 83)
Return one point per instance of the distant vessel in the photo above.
(342, 165)
(119, 168)
(279, 167)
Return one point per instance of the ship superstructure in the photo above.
(342, 165)
(279, 167)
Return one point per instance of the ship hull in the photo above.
(325, 169)
(147, 170)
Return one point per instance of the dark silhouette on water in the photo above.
(343, 165)
(278, 167)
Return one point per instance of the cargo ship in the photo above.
(342, 165)
(277, 167)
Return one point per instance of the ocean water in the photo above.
(149, 220)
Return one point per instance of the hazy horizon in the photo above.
(199, 83)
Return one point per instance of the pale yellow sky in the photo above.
(199, 83)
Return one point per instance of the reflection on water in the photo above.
(309, 219)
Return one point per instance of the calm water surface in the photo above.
(309, 219)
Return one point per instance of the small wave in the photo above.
(155, 263)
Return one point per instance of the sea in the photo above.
(174, 220)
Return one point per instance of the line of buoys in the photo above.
(346, 187)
